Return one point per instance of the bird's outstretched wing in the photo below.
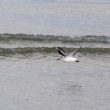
(74, 52)
(61, 51)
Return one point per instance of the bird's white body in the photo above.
(69, 59)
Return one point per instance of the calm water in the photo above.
(39, 81)
(58, 17)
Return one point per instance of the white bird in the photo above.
(68, 57)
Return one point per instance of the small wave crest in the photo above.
(49, 50)
(53, 38)
(26, 48)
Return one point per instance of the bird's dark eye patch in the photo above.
(58, 59)
(77, 61)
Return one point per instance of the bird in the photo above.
(68, 57)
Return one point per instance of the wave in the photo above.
(53, 38)
(24, 48)
(49, 50)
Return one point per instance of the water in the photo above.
(56, 17)
(39, 81)
(32, 78)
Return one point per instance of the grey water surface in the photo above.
(56, 17)
(31, 77)
(40, 82)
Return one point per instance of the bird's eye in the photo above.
(77, 61)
